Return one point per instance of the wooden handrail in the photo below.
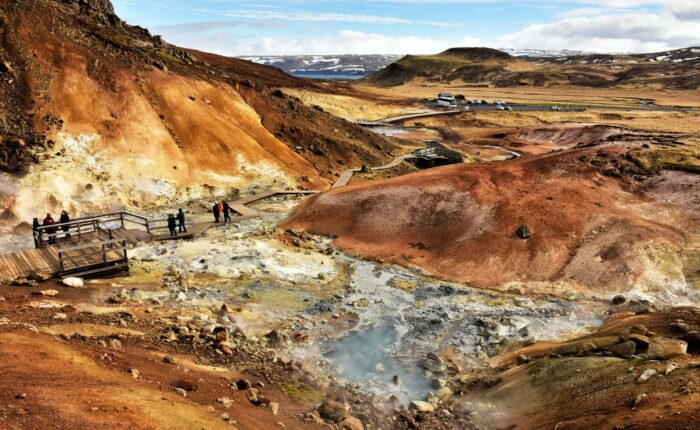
(90, 245)
(103, 251)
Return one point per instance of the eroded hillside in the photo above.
(96, 102)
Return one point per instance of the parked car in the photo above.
(509, 108)
(556, 108)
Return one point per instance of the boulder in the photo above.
(524, 232)
(421, 406)
(185, 384)
(73, 282)
(664, 349)
(624, 349)
(333, 411)
(351, 423)
(244, 384)
(618, 300)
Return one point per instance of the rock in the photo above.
(73, 282)
(421, 406)
(444, 393)
(693, 364)
(274, 408)
(185, 384)
(438, 383)
(244, 384)
(522, 359)
(115, 344)
(396, 380)
(618, 300)
(221, 334)
(524, 232)
(670, 368)
(646, 375)
(46, 293)
(225, 401)
(169, 359)
(39, 277)
(624, 349)
(351, 423)
(134, 372)
(332, 411)
(277, 338)
(21, 282)
(639, 399)
(180, 391)
(21, 396)
(664, 349)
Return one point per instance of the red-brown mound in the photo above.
(460, 221)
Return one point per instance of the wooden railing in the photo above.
(103, 254)
(51, 235)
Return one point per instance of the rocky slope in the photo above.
(483, 66)
(110, 111)
(590, 224)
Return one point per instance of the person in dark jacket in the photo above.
(172, 225)
(51, 231)
(217, 212)
(227, 211)
(35, 228)
(66, 228)
(181, 221)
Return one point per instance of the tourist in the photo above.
(51, 231)
(172, 225)
(181, 221)
(35, 228)
(65, 219)
(217, 211)
(227, 210)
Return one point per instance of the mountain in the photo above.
(95, 114)
(309, 65)
(677, 69)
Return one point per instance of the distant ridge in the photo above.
(676, 69)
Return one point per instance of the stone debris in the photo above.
(646, 375)
(664, 349)
(73, 282)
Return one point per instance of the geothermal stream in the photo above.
(398, 316)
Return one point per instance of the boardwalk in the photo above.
(347, 175)
(101, 247)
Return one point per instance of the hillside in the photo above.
(459, 222)
(95, 114)
(676, 69)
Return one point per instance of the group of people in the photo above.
(221, 208)
(51, 231)
(176, 223)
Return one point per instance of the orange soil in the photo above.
(460, 221)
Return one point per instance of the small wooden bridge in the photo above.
(96, 246)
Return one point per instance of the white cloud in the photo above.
(618, 32)
(342, 42)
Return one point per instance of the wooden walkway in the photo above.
(46, 260)
(347, 175)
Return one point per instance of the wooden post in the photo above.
(104, 254)
(61, 267)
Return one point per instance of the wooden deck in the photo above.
(87, 252)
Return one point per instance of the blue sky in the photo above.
(256, 27)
